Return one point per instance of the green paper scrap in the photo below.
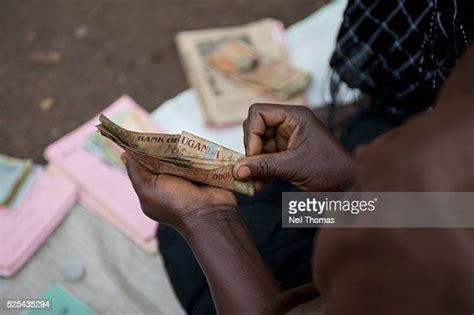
(62, 303)
(12, 172)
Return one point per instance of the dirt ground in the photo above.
(61, 62)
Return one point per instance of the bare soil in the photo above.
(62, 61)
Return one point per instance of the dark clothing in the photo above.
(400, 52)
(369, 123)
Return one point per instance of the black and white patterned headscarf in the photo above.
(401, 51)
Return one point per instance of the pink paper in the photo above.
(25, 228)
(108, 186)
(150, 246)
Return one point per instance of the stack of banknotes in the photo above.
(231, 68)
(184, 155)
(237, 59)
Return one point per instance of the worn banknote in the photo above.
(240, 50)
(184, 155)
(239, 60)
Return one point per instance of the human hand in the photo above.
(176, 201)
(290, 143)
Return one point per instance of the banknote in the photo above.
(12, 173)
(234, 56)
(224, 100)
(184, 155)
(107, 151)
(240, 61)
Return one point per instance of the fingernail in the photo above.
(243, 172)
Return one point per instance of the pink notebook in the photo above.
(93, 162)
(24, 227)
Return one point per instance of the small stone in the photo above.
(121, 79)
(74, 271)
(48, 57)
(46, 104)
(54, 133)
(81, 32)
(141, 61)
(30, 36)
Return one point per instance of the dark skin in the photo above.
(275, 136)
(409, 271)
(389, 271)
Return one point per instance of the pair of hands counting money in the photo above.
(282, 141)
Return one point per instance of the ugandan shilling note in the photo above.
(184, 155)
(107, 151)
(224, 100)
(234, 56)
(239, 60)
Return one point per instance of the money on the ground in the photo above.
(234, 56)
(184, 155)
(240, 61)
(240, 49)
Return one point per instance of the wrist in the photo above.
(348, 171)
(208, 219)
(337, 175)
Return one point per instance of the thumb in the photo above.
(263, 166)
(139, 175)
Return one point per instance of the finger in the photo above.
(269, 133)
(270, 146)
(258, 185)
(264, 166)
(261, 118)
(139, 175)
(281, 142)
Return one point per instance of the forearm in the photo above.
(239, 280)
